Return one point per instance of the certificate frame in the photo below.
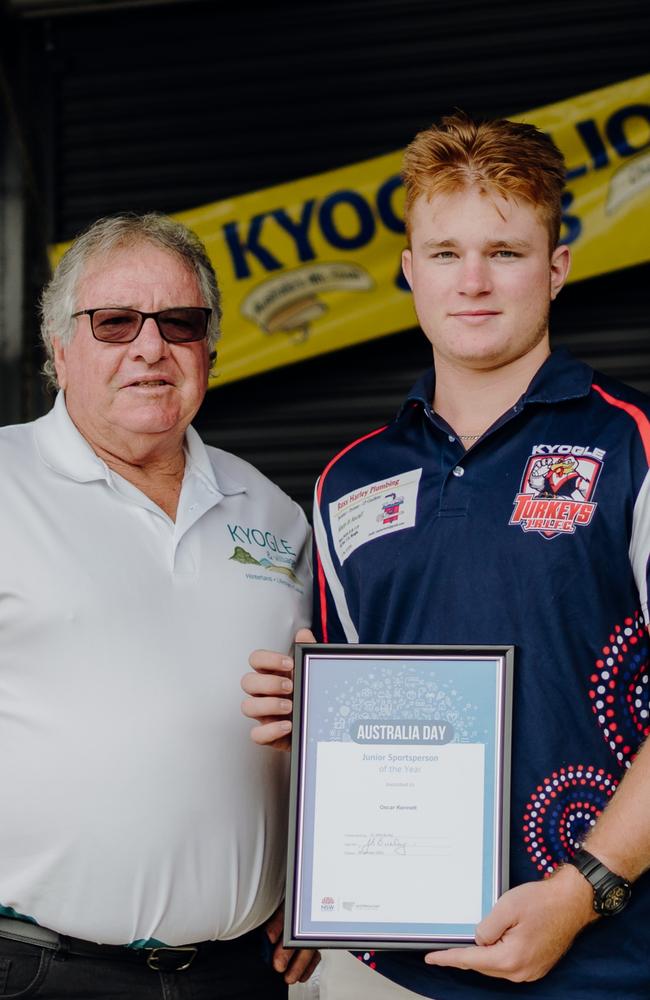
(369, 874)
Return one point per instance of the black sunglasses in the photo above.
(184, 325)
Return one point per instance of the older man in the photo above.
(141, 839)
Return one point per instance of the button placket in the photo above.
(456, 487)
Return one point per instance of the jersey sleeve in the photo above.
(639, 550)
(332, 621)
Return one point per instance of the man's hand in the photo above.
(528, 930)
(296, 964)
(269, 689)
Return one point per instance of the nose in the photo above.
(474, 276)
(149, 344)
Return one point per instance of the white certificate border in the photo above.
(502, 657)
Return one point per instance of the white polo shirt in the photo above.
(134, 806)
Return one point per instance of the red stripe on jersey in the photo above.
(322, 592)
(322, 583)
(637, 415)
(347, 448)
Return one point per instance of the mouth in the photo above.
(147, 383)
(475, 317)
(477, 312)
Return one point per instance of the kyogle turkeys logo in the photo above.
(556, 490)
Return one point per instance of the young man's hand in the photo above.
(528, 930)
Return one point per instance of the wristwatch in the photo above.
(611, 891)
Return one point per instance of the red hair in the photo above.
(512, 159)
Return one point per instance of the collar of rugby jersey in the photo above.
(561, 377)
(64, 450)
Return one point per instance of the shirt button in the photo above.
(458, 471)
(452, 438)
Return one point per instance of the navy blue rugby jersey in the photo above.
(538, 536)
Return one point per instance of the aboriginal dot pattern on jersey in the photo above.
(561, 812)
(368, 957)
(619, 689)
(564, 807)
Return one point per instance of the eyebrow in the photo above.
(509, 244)
(514, 244)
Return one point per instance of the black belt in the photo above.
(160, 958)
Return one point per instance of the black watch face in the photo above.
(614, 899)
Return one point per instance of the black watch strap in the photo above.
(611, 891)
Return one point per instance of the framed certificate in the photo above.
(400, 794)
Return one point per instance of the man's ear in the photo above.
(560, 264)
(59, 362)
(407, 267)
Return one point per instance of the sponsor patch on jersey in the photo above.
(557, 489)
(373, 511)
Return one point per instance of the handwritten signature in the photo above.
(376, 842)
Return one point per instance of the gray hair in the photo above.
(58, 301)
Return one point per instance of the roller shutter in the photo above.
(170, 106)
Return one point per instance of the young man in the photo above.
(494, 545)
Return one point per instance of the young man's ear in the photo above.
(407, 266)
(560, 264)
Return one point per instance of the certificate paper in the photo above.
(400, 770)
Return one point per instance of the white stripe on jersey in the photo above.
(640, 543)
(333, 582)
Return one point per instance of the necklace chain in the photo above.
(469, 437)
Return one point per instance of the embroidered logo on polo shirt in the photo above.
(242, 556)
(373, 511)
(266, 554)
(557, 489)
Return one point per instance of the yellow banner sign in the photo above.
(314, 265)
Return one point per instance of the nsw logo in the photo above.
(327, 904)
(556, 490)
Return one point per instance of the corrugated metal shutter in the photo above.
(23, 266)
(174, 106)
